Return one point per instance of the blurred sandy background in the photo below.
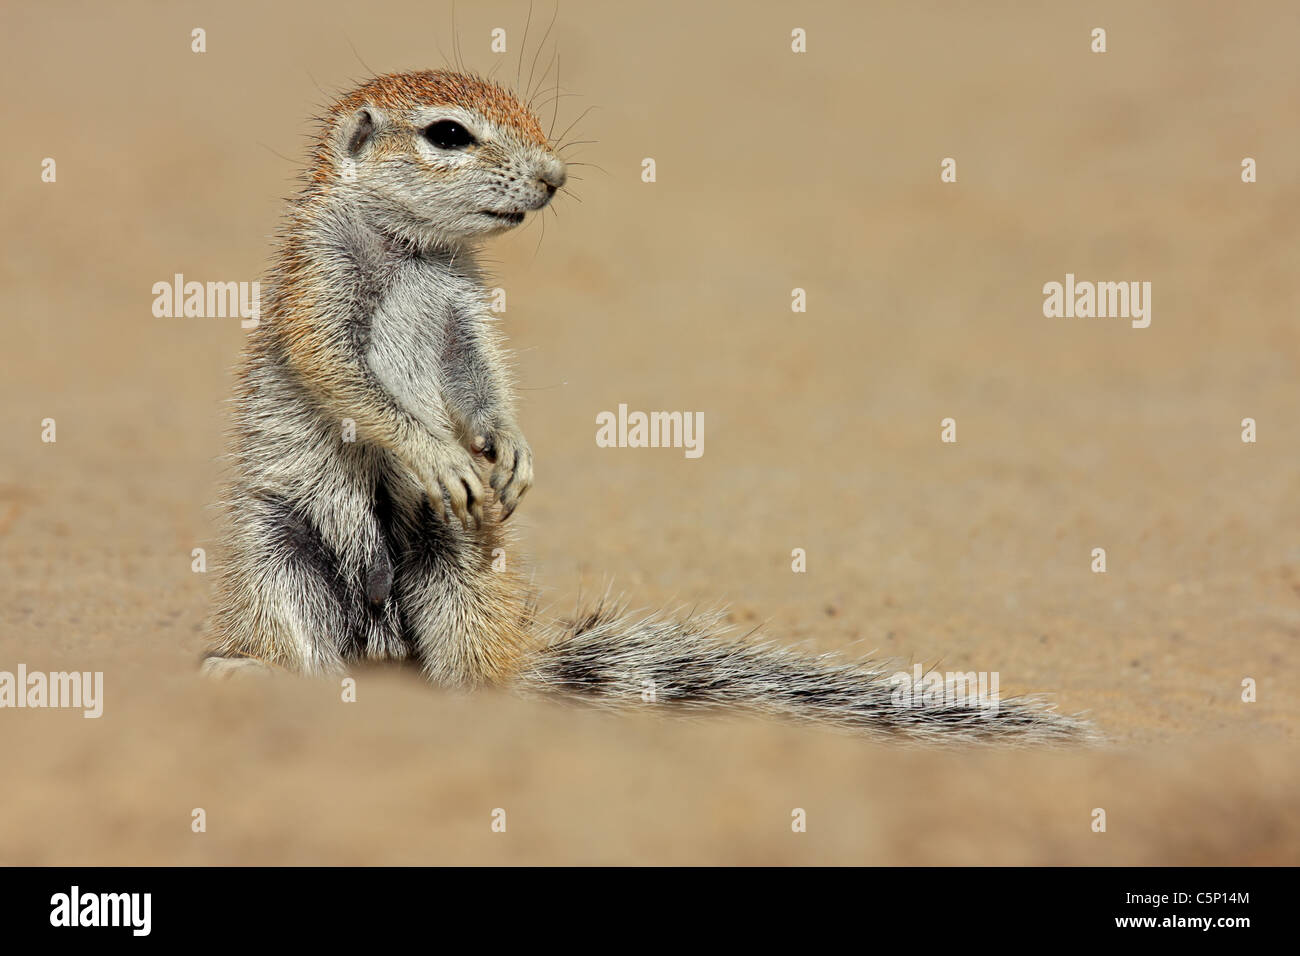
(822, 430)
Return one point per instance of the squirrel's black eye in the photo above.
(448, 134)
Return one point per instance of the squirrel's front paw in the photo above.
(512, 468)
(453, 478)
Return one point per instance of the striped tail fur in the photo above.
(611, 659)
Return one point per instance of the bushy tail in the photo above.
(612, 659)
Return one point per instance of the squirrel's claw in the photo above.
(512, 475)
(456, 484)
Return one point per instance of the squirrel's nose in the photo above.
(552, 175)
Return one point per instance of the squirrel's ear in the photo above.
(358, 130)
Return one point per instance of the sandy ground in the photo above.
(775, 171)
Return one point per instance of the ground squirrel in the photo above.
(381, 547)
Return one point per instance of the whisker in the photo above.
(455, 40)
(318, 86)
(545, 36)
(519, 68)
(542, 91)
(595, 166)
(556, 114)
(446, 60)
(541, 237)
(277, 153)
(580, 118)
(550, 96)
(358, 56)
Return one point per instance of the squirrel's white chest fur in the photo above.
(425, 318)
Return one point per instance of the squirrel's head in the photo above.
(437, 157)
